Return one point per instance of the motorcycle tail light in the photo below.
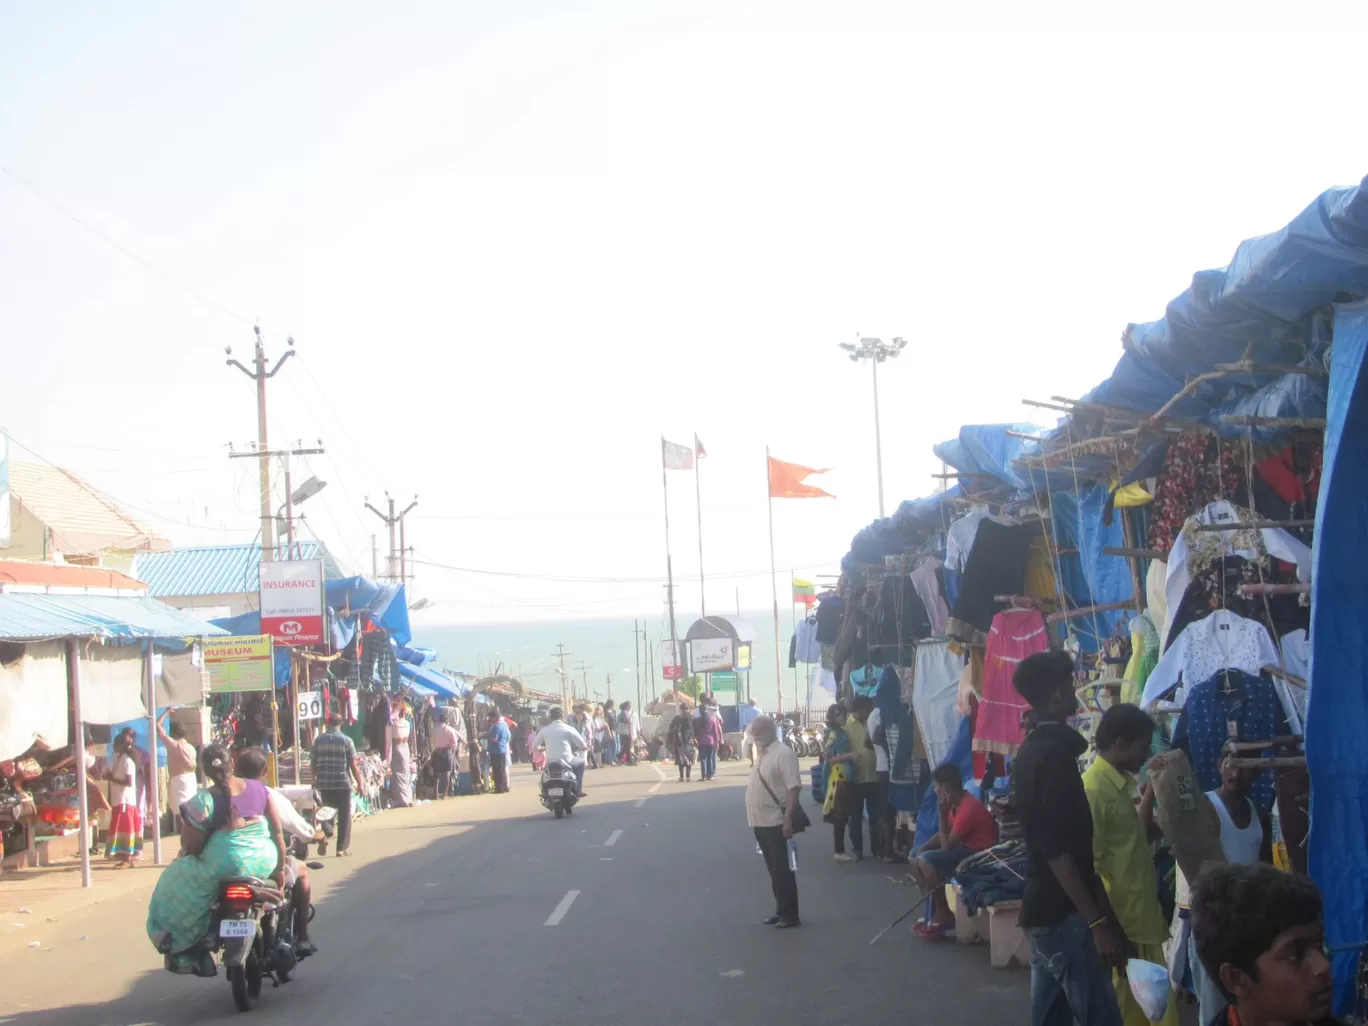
(238, 892)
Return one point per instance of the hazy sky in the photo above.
(516, 242)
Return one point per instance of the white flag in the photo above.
(676, 457)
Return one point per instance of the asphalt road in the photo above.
(642, 907)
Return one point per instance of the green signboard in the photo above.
(723, 680)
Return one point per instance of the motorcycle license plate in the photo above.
(555, 792)
(237, 928)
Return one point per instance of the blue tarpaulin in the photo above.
(1090, 578)
(987, 451)
(34, 617)
(432, 679)
(1337, 711)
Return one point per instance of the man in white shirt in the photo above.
(771, 798)
(880, 830)
(563, 744)
(628, 726)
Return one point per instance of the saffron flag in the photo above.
(786, 481)
(676, 457)
(804, 592)
(699, 451)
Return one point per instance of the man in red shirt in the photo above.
(966, 827)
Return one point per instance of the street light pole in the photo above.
(876, 351)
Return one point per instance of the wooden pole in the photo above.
(153, 781)
(82, 802)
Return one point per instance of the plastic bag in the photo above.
(1149, 984)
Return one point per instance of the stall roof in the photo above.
(26, 617)
(431, 679)
(733, 627)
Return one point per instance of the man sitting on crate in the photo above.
(965, 828)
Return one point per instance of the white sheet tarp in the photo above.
(111, 683)
(935, 684)
(182, 680)
(33, 699)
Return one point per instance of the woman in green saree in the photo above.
(228, 829)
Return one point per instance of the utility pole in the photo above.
(561, 653)
(393, 567)
(609, 678)
(584, 669)
(260, 375)
(375, 559)
(288, 508)
(650, 657)
(636, 644)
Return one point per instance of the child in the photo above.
(1258, 932)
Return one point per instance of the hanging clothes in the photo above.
(1227, 706)
(997, 566)
(1016, 634)
(1224, 639)
(830, 612)
(1040, 575)
(1296, 660)
(1144, 657)
(1196, 551)
(1198, 469)
(934, 696)
(806, 647)
(927, 580)
(960, 537)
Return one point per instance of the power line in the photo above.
(600, 580)
(123, 249)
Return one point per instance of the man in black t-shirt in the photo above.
(1075, 938)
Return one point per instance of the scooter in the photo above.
(559, 788)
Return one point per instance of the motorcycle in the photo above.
(559, 788)
(792, 737)
(812, 742)
(252, 927)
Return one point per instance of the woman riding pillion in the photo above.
(228, 829)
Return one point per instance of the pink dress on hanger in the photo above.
(1016, 634)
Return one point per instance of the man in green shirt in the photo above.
(1121, 850)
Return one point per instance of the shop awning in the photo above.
(431, 679)
(30, 617)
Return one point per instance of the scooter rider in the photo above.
(563, 744)
(251, 765)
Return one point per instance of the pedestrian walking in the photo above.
(125, 816)
(771, 800)
(708, 731)
(1075, 937)
(628, 726)
(610, 735)
(401, 761)
(446, 757)
(683, 743)
(334, 768)
(498, 752)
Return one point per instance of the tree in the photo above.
(691, 686)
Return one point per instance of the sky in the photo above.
(515, 244)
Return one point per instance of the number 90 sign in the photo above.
(310, 705)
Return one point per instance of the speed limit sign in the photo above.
(310, 706)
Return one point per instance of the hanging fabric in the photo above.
(927, 580)
(934, 698)
(1224, 639)
(1144, 657)
(1016, 634)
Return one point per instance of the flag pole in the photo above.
(669, 561)
(774, 584)
(698, 498)
(793, 610)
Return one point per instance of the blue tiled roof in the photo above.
(217, 569)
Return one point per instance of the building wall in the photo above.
(235, 604)
(29, 540)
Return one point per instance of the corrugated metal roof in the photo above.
(23, 572)
(26, 617)
(81, 518)
(217, 569)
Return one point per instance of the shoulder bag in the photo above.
(800, 817)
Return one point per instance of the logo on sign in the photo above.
(290, 627)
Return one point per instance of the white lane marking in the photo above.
(559, 913)
(640, 802)
(612, 838)
(605, 858)
(660, 772)
(656, 786)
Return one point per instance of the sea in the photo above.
(601, 657)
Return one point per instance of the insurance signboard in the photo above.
(292, 601)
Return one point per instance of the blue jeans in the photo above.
(707, 761)
(1069, 983)
(610, 749)
(1210, 1000)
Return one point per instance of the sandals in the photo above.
(934, 931)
